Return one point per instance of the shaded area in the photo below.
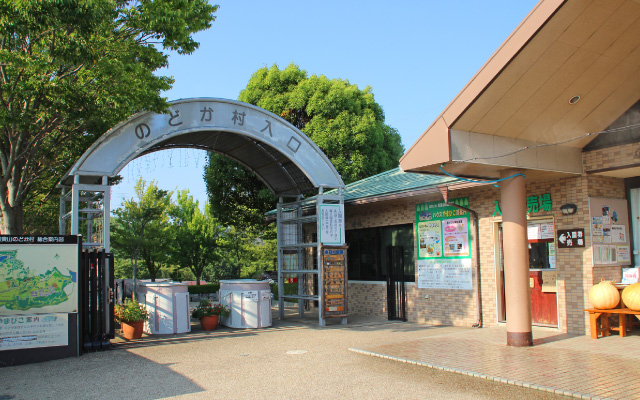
(111, 374)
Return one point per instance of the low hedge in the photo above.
(200, 289)
(289, 288)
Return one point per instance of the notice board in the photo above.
(39, 300)
(444, 245)
(609, 227)
(334, 281)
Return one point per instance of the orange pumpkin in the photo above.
(604, 296)
(631, 296)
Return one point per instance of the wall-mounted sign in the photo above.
(445, 274)
(443, 230)
(535, 204)
(609, 224)
(568, 238)
(332, 224)
(444, 245)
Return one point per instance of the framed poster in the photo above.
(444, 245)
(608, 225)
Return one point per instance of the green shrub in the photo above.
(289, 288)
(200, 289)
(130, 311)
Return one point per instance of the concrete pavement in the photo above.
(297, 359)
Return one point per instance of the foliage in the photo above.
(343, 120)
(236, 195)
(289, 288)
(195, 235)
(130, 311)
(202, 289)
(69, 70)
(141, 229)
(205, 309)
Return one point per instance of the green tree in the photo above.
(141, 228)
(343, 120)
(195, 235)
(71, 69)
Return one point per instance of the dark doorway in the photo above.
(396, 295)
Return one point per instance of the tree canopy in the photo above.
(195, 235)
(69, 70)
(343, 120)
(141, 228)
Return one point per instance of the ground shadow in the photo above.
(99, 375)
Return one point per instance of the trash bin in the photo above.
(249, 301)
(168, 306)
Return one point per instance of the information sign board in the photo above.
(334, 281)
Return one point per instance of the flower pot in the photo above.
(132, 330)
(209, 322)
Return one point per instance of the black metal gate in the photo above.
(396, 295)
(96, 301)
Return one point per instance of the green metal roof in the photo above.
(392, 182)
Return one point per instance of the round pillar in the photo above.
(513, 201)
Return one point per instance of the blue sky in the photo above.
(415, 55)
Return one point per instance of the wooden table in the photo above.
(599, 321)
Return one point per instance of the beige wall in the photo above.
(575, 271)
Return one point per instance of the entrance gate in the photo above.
(283, 157)
(96, 300)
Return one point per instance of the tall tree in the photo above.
(195, 235)
(71, 69)
(343, 120)
(141, 228)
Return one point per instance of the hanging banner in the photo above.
(444, 245)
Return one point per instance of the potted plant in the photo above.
(131, 316)
(209, 314)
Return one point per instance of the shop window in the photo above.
(540, 237)
(367, 254)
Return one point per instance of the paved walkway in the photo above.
(576, 366)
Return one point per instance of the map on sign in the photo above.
(38, 279)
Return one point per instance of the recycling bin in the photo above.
(168, 306)
(249, 301)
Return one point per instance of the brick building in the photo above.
(558, 102)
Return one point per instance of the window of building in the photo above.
(368, 249)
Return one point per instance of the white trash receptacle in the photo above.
(249, 301)
(168, 306)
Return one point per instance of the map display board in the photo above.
(38, 274)
(444, 245)
(334, 281)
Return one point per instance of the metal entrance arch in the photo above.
(283, 157)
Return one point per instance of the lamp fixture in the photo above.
(569, 209)
(574, 99)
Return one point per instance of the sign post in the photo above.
(334, 301)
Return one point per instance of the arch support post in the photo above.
(516, 260)
(85, 209)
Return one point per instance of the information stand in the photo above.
(334, 300)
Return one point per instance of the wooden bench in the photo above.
(599, 321)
